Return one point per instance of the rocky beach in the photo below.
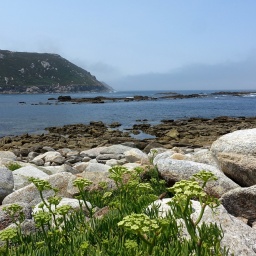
(191, 132)
(224, 146)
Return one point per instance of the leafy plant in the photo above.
(127, 228)
(13, 166)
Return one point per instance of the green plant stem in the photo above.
(200, 215)
(86, 205)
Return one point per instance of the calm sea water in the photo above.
(17, 118)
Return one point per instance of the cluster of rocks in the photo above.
(192, 132)
(232, 158)
(102, 99)
(165, 95)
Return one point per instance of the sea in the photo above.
(32, 113)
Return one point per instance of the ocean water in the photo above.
(36, 113)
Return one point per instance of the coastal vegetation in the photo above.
(130, 223)
(13, 166)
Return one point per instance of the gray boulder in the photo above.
(238, 237)
(131, 166)
(5, 219)
(103, 158)
(6, 182)
(175, 170)
(74, 203)
(164, 155)
(22, 175)
(95, 177)
(115, 149)
(97, 167)
(31, 196)
(240, 168)
(59, 168)
(8, 155)
(241, 202)
(92, 153)
(239, 142)
(135, 155)
(112, 162)
(64, 151)
(54, 157)
(202, 156)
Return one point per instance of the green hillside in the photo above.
(23, 72)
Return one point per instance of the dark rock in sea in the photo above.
(64, 98)
(114, 125)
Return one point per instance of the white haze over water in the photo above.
(142, 45)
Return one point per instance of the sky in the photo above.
(141, 44)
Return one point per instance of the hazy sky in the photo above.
(141, 44)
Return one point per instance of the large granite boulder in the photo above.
(5, 219)
(135, 155)
(21, 176)
(241, 202)
(8, 155)
(115, 149)
(239, 142)
(72, 202)
(238, 237)
(240, 168)
(96, 177)
(175, 170)
(92, 153)
(97, 167)
(202, 156)
(31, 196)
(6, 182)
(58, 168)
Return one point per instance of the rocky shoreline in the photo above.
(192, 132)
(231, 158)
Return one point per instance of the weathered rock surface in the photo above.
(59, 168)
(5, 219)
(8, 155)
(22, 175)
(115, 149)
(6, 182)
(240, 168)
(135, 155)
(31, 196)
(96, 167)
(239, 237)
(203, 156)
(241, 202)
(175, 170)
(73, 203)
(239, 142)
(92, 153)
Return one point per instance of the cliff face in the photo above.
(23, 72)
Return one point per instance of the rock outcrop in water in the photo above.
(24, 72)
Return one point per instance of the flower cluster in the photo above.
(139, 223)
(187, 188)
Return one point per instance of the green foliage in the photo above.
(24, 69)
(13, 166)
(128, 228)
